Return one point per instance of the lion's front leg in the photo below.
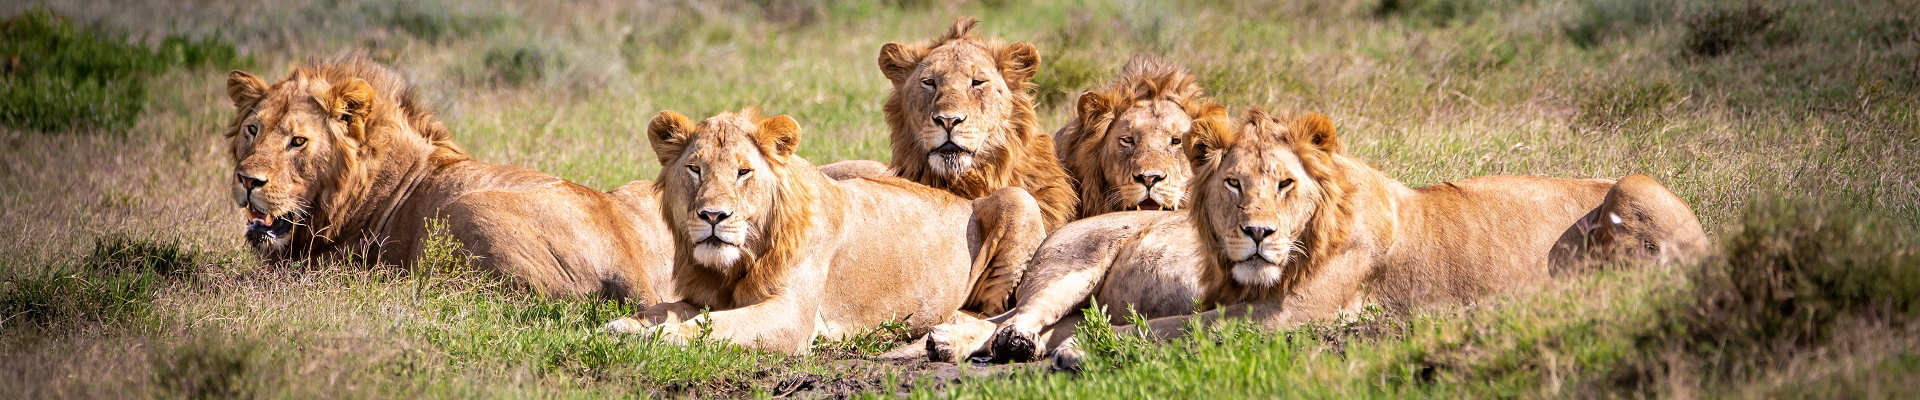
(1012, 227)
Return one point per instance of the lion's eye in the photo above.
(695, 169)
(1126, 140)
(1286, 183)
(977, 82)
(928, 82)
(297, 142)
(1233, 183)
(252, 130)
(1176, 140)
(742, 173)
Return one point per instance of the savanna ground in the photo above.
(1791, 127)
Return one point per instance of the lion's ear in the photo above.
(1018, 63)
(244, 88)
(1094, 111)
(897, 61)
(352, 101)
(1316, 130)
(668, 132)
(780, 133)
(1210, 136)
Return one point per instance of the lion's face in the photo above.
(1142, 151)
(955, 100)
(721, 181)
(1260, 197)
(289, 147)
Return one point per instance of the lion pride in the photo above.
(1123, 145)
(962, 120)
(340, 159)
(1285, 228)
(782, 254)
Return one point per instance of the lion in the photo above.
(962, 121)
(340, 159)
(780, 254)
(1286, 228)
(1122, 147)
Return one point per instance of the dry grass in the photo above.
(1725, 103)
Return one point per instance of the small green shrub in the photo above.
(1717, 31)
(1603, 20)
(1794, 271)
(1062, 78)
(519, 65)
(434, 22)
(59, 77)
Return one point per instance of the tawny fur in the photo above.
(1011, 149)
(823, 257)
(1362, 238)
(1123, 131)
(376, 164)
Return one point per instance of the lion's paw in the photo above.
(956, 341)
(626, 325)
(1012, 345)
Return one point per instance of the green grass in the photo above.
(62, 77)
(1789, 125)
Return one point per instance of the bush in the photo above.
(59, 78)
(1793, 272)
(518, 65)
(1720, 30)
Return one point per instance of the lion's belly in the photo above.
(901, 258)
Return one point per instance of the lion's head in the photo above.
(305, 149)
(731, 195)
(1123, 147)
(958, 103)
(1270, 204)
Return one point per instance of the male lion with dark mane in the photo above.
(1286, 228)
(1123, 145)
(962, 120)
(341, 159)
(782, 254)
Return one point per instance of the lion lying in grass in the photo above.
(781, 254)
(339, 159)
(1286, 228)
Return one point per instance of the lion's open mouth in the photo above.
(1149, 205)
(260, 227)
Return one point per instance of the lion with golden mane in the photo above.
(1123, 145)
(962, 120)
(340, 159)
(781, 254)
(1287, 228)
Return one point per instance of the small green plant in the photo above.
(114, 282)
(519, 65)
(444, 266)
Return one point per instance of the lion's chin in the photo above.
(716, 255)
(1256, 273)
(950, 163)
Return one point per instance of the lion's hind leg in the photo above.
(1638, 220)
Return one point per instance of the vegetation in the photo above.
(1789, 125)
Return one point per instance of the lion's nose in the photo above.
(1149, 178)
(713, 216)
(948, 121)
(250, 182)
(1256, 232)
